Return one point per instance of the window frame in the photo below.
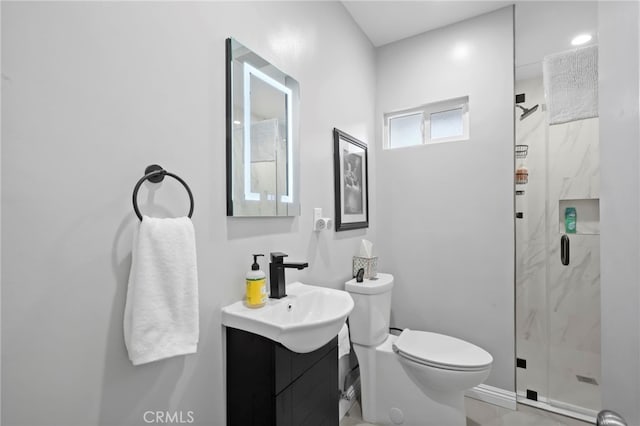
(427, 110)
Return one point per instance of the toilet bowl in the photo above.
(417, 378)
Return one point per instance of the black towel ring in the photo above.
(154, 173)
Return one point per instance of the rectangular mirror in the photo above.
(262, 136)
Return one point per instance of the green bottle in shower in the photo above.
(570, 219)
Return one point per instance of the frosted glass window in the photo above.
(447, 124)
(443, 121)
(405, 130)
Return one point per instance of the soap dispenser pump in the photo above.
(256, 283)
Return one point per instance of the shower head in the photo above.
(527, 111)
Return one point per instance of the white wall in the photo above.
(619, 76)
(92, 93)
(446, 227)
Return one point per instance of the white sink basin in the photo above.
(303, 321)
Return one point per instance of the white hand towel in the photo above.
(344, 345)
(161, 311)
(571, 84)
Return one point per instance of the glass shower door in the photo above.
(557, 269)
(557, 304)
(573, 265)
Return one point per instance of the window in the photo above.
(444, 121)
(447, 124)
(406, 130)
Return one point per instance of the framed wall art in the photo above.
(350, 182)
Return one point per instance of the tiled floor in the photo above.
(483, 414)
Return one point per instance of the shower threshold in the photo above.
(559, 407)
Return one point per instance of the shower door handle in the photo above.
(564, 249)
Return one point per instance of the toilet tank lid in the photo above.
(381, 284)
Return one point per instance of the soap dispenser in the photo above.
(256, 285)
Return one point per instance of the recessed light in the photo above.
(581, 39)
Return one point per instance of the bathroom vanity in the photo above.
(267, 384)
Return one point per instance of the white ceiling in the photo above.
(388, 21)
(542, 27)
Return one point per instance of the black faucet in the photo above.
(276, 274)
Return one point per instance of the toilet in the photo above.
(417, 378)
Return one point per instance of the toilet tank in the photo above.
(369, 320)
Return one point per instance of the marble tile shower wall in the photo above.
(573, 290)
(557, 306)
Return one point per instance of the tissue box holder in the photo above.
(369, 264)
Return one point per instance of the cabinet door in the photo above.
(289, 366)
(250, 379)
(312, 400)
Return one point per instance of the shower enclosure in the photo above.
(557, 266)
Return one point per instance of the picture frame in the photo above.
(351, 184)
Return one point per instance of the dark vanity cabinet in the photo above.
(267, 384)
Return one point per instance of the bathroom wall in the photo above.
(446, 227)
(619, 76)
(94, 92)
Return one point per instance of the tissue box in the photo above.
(369, 264)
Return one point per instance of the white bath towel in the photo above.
(161, 311)
(571, 84)
(344, 344)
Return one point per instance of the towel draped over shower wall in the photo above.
(571, 84)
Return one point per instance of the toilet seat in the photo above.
(441, 351)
